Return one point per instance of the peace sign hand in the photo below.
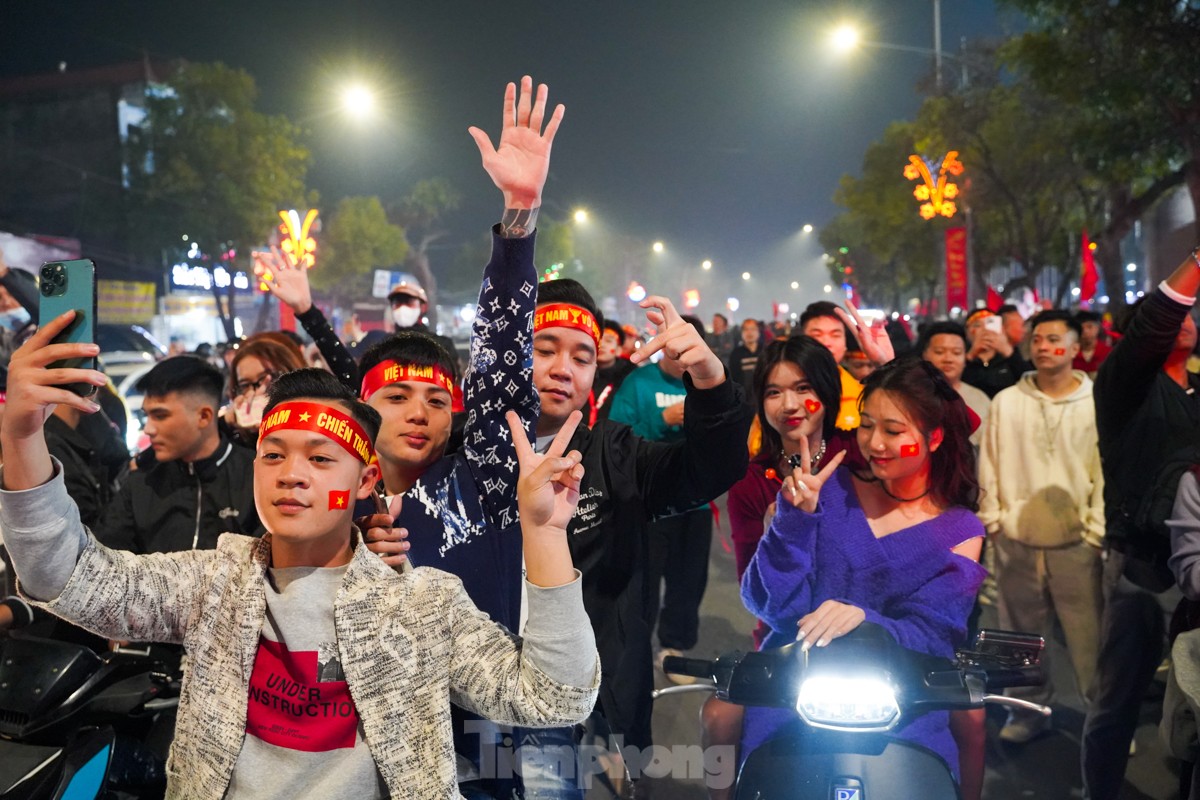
(288, 283)
(548, 485)
(803, 486)
(680, 342)
(873, 339)
(520, 164)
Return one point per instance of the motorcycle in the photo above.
(75, 725)
(850, 694)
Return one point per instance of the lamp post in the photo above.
(847, 37)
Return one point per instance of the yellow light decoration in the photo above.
(935, 194)
(297, 245)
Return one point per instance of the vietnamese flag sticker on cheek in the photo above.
(339, 500)
(812, 406)
(909, 450)
(1060, 351)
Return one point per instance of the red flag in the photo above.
(994, 300)
(339, 500)
(1090, 277)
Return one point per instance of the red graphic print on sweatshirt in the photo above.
(289, 707)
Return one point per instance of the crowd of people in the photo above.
(504, 547)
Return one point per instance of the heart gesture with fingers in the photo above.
(680, 343)
(873, 339)
(803, 486)
(520, 164)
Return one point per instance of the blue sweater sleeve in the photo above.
(778, 584)
(499, 376)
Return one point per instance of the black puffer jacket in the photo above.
(174, 506)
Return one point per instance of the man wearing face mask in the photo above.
(409, 304)
(199, 487)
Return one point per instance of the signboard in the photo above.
(386, 279)
(124, 302)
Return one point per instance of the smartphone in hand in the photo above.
(70, 286)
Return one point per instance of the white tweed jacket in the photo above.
(409, 646)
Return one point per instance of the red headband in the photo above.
(326, 420)
(565, 315)
(386, 373)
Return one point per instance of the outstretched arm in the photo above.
(289, 283)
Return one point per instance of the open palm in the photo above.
(520, 164)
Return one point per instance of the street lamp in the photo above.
(846, 37)
(358, 101)
(706, 264)
(657, 247)
(807, 229)
(581, 215)
(745, 276)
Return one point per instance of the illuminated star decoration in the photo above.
(812, 406)
(935, 195)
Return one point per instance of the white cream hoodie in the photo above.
(1039, 466)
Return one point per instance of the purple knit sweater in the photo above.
(908, 582)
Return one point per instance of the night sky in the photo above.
(718, 127)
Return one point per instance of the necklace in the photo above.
(903, 499)
(794, 461)
(1051, 430)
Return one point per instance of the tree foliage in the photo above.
(357, 240)
(1130, 71)
(890, 249)
(205, 164)
(420, 214)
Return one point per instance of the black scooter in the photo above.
(851, 694)
(75, 725)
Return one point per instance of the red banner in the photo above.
(956, 267)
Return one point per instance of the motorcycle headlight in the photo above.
(848, 703)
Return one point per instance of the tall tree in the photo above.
(1131, 72)
(891, 248)
(205, 164)
(420, 214)
(1027, 193)
(357, 240)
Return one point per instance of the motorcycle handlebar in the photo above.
(695, 667)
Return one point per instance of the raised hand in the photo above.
(520, 164)
(873, 339)
(803, 486)
(288, 283)
(548, 484)
(385, 541)
(831, 620)
(679, 341)
(33, 391)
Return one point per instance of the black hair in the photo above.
(615, 327)
(723, 318)
(410, 347)
(567, 290)
(1057, 315)
(942, 327)
(1007, 308)
(821, 308)
(1084, 315)
(186, 374)
(923, 391)
(318, 384)
(695, 323)
(820, 370)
